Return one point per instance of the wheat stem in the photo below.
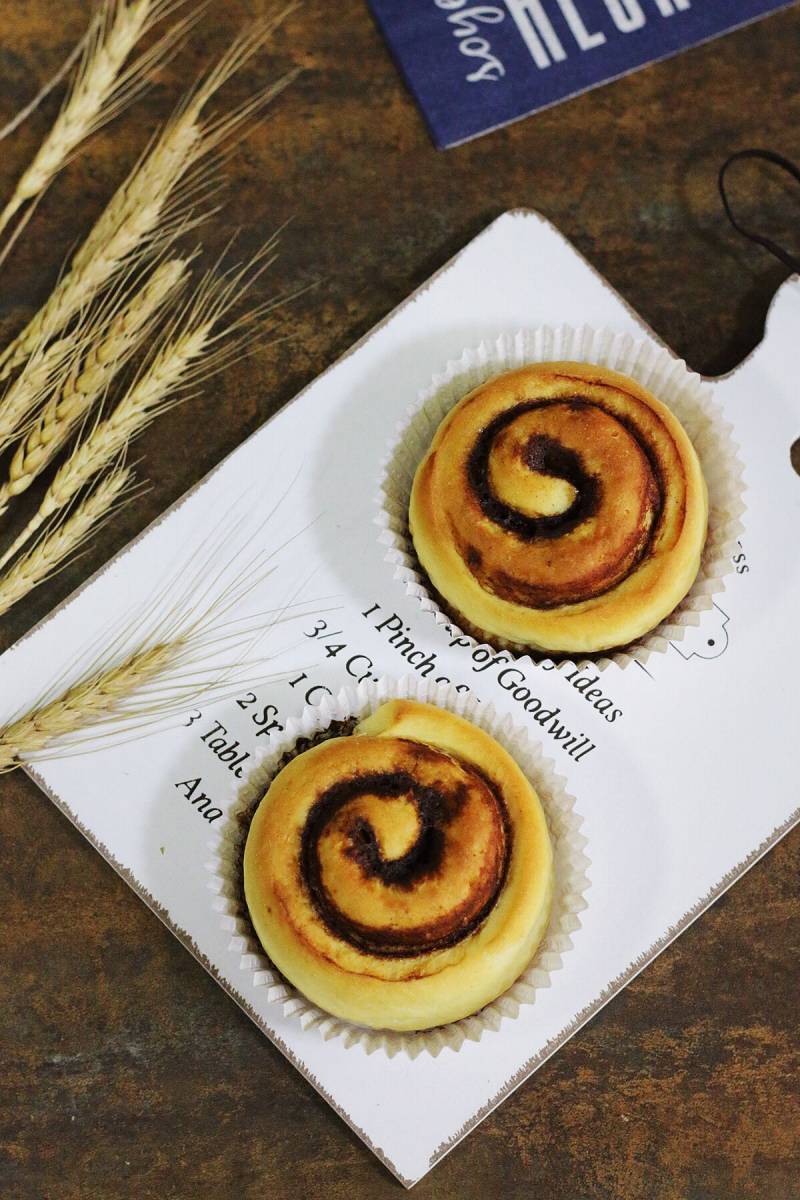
(44, 91)
(89, 700)
(145, 205)
(52, 551)
(98, 92)
(88, 379)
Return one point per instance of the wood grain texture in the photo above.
(126, 1071)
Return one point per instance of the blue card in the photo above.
(474, 66)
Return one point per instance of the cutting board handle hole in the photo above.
(794, 455)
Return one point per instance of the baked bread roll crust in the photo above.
(400, 877)
(560, 507)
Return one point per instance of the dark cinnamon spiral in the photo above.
(439, 815)
(556, 496)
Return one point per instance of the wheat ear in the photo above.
(51, 552)
(100, 90)
(87, 382)
(196, 635)
(46, 366)
(150, 203)
(46, 372)
(88, 701)
(196, 344)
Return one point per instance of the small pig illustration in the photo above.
(709, 639)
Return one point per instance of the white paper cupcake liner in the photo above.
(666, 376)
(570, 869)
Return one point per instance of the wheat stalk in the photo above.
(190, 346)
(51, 551)
(150, 202)
(101, 88)
(87, 381)
(89, 700)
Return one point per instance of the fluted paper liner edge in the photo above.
(571, 881)
(655, 368)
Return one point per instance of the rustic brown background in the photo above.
(126, 1071)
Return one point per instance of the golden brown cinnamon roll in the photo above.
(560, 507)
(400, 877)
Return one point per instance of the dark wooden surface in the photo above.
(125, 1070)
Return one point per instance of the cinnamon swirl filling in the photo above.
(401, 837)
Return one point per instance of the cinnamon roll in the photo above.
(400, 877)
(562, 508)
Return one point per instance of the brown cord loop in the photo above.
(783, 255)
